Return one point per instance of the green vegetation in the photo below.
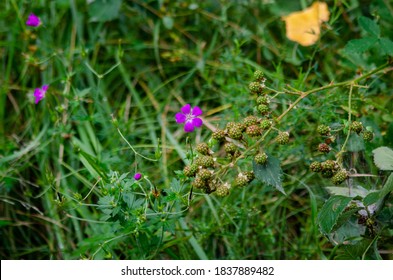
(298, 140)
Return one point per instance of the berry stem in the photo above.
(342, 84)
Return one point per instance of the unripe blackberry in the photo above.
(258, 75)
(204, 174)
(190, 170)
(230, 125)
(255, 87)
(250, 120)
(234, 125)
(327, 173)
(263, 109)
(219, 135)
(204, 161)
(262, 99)
(357, 127)
(198, 183)
(316, 166)
(222, 190)
(368, 136)
(254, 130)
(203, 148)
(230, 148)
(323, 148)
(241, 180)
(235, 133)
(265, 124)
(261, 158)
(249, 175)
(283, 138)
(323, 129)
(340, 177)
(329, 165)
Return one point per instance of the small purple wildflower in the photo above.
(33, 20)
(39, 93)
(189, 116)
(137, 176)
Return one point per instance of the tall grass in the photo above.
(139, 67)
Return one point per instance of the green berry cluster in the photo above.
(203, 149)
(282, 138)
(323, 130)
(233, 142)
(261, 158)
(358, 128)
(330, 169)
(244, 178)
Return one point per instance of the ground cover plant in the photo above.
(196, 130)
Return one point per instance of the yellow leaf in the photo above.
(304, 27)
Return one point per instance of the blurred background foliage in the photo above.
(139, 62)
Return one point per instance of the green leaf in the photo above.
(386, 46)
(371, 198)
(353, 251)
(360, 45)
(383, 158)
(129, 198)
(369, 26)
(176, 186)
(355, 143)
(269, 173)
(104, 10)
(331, 211)
(356, 191)
(388, 187)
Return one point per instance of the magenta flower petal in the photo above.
(196, 111)
(189, 127)
(180, 118)
(188, 115)
(33, 20)
(39, 93)
(197, 122)
(186, 109)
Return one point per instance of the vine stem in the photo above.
(132, 148)
(303, 95)
(342, 84)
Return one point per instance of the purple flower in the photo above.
(189, 116)
(33, 20)
(137, 176)
(39, 93)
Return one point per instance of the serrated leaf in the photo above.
(386, 46)
(369, 26)
(383, 158)
(175, 185)
(360, 45)
(129, 199)
(331, 211)
(104, 10)
(269, 173)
